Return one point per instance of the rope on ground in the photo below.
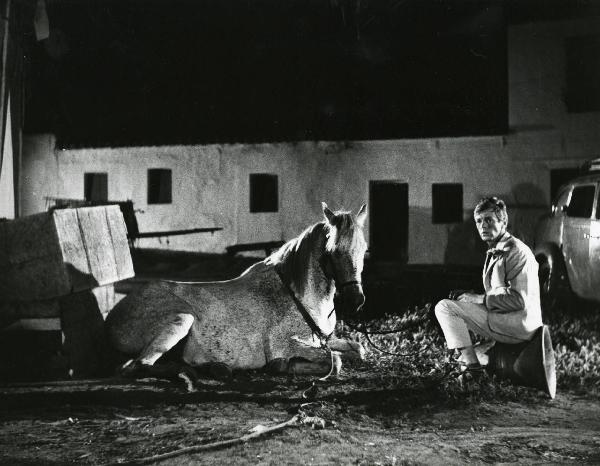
(368, 334)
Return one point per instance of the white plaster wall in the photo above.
(7, 184)
(39, 173)
(210, 183)
(541, 128)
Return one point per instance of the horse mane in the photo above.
(293, 259)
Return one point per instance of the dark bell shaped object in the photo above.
(530, 364)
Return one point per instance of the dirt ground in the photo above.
(355, 421)
(364, 416)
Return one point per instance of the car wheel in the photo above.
(553, 296)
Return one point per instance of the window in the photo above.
(583, 73)
(95, 187)
(159, 186)
(263, 193)
(447, 202)
(582, 199)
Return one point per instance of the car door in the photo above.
(594, 249)
(576, 238)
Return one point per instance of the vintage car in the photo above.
(567, 242)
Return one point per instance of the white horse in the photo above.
(278, 314)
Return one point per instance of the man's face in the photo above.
(488, 225)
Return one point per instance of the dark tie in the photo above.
(488, 257)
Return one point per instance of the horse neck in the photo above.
(301, 269)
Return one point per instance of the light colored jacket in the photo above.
(512, 291)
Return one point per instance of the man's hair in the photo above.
(495, 204)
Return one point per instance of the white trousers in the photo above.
(456, 319)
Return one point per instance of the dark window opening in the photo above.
(388, 221)
(583, 74)
(264, 196)
(159, 186)
(95, 187)
(447, 202)
(582, 200)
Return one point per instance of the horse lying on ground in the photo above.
(279, 314)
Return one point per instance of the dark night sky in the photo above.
(156, 72)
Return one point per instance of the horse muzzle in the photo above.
(350, 298)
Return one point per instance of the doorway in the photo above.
(388, 224)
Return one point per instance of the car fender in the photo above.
(552, 253)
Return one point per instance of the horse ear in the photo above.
(362, 215)
(329, 215)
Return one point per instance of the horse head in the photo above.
(343, 259)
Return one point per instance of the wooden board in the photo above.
(118, 231)
(71, 244)
(11, 312)
(56, 253)
(98, 245)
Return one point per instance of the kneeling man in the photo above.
(509, 311)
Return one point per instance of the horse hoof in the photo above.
(130, 369)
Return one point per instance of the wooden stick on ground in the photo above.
(256, 432)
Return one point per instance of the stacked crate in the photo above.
(57, 271)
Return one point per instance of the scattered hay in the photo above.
(411, 352)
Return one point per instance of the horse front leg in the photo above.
(349, 350)
(302, 358)
(167, 334)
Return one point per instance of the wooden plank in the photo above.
(10, 313)
(73, 249)
(35, 324)
(31, 265)
(98, 244)
(105, 298)
(156, 234)
(120, 245)
(53, 254)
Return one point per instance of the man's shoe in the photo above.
(471, 367)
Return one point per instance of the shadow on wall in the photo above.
(464, 246)
(525, 203)
(528, 194)
(527, 206)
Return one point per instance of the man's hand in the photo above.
(471, 298)
(455, 294)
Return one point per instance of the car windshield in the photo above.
(582, 201)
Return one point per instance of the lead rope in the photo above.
(367, 334)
